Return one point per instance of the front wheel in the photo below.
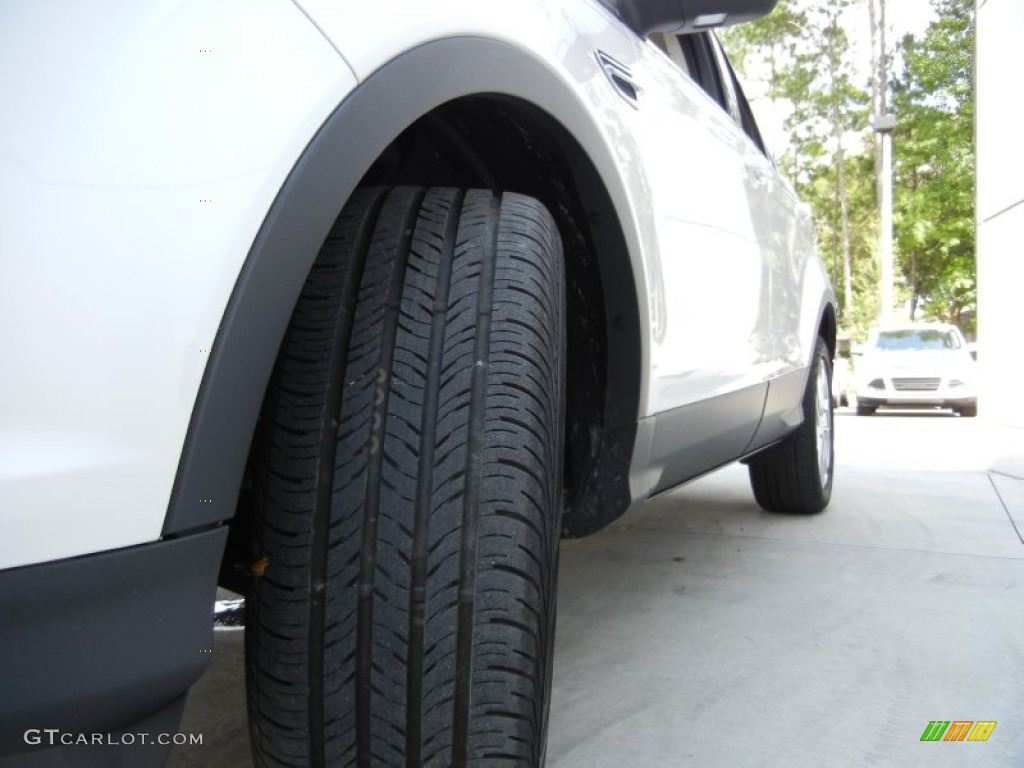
(408, 490)
(795, 476)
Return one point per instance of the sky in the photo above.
(908, 16)
(901, 16)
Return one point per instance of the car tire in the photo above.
(795, 476)
(866, 410)
(408, 484)
(969, 411)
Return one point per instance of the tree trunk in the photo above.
(876, 97)
(879, 79)
(883, 61)
(840, 158)
(844, 207)
(914, 296)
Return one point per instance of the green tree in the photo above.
(765, 49)
(803, 54)
(820, 192)
(934, 164)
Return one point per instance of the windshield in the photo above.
(914, 339)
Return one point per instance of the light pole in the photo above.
(883, 125)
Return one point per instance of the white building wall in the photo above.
(1000, 208)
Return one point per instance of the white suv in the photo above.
(357, 307)
(917, 365)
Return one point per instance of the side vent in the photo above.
(619, 75)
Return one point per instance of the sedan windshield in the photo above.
(916, 338)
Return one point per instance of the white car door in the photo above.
(720, 251)
(710, 340)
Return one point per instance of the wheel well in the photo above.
(507, 144)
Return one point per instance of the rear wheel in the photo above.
(795, 476)
(408, 479)
(866, 410)
(970, 411)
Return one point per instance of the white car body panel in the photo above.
(185, 102)
(709, 252)
(115, 276)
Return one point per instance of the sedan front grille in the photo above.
(915, 385)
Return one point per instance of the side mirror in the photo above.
(973, 349)
(679, 17)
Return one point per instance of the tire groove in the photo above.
(367, 571)
(471, 500)
(324, 490)
(428, 439)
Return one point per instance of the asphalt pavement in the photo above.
(701, 631)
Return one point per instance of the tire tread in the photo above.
(408, 490)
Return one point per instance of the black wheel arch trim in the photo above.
(230, 395)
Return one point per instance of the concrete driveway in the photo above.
(700, 631)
